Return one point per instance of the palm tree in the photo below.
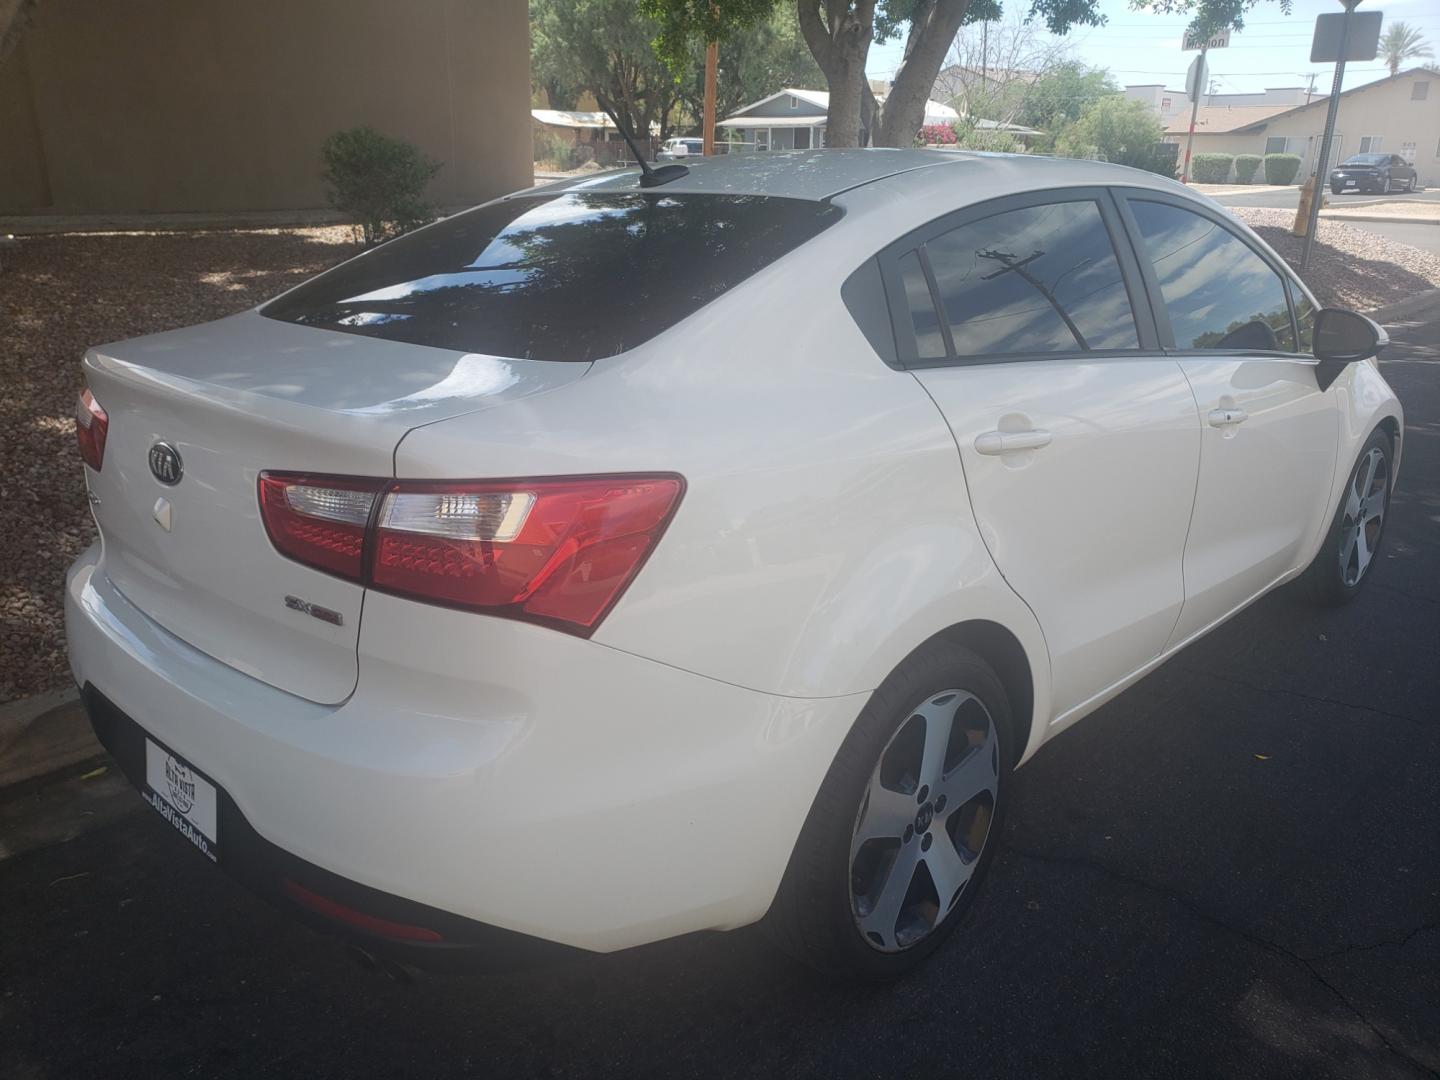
(1400, 43)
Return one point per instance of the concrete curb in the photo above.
(1383, 219)
(41, 734)
(1403, 309)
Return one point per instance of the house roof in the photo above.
(1434, 72)
(935, 112)
(1219, 119)
(572, 118)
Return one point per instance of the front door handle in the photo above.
(1227, 417)
(1008, 442)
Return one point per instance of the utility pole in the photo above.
(1310, 90)
(984, 52)
(712, 64)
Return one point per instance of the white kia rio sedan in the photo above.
(610, 562)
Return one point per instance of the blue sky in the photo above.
(1273, 50)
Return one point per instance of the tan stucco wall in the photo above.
(215, 105)
(1385, 108)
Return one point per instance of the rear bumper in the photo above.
(484, 770)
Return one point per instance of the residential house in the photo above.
(794, 119)
(1399, 114)
(1168, 104)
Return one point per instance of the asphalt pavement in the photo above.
(1233, 869)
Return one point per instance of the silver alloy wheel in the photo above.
(924, 820)
(1364, 514)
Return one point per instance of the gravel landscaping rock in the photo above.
(63, 293)
(58, 296)
(1349, 267)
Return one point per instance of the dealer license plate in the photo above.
(182, 797)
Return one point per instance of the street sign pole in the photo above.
(1322, 157)
(1199, 78)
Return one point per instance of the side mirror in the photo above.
(1343, 337)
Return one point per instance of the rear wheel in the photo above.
(1350, 547)
(901, 832)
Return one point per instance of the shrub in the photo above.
(1118, 130)
(556, 151)
(970, 137)
(1245, 166)
(1281, 168)
(379, 180)
(937, 135)
(1210, 168)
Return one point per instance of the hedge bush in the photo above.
(1245, 166)
(1210, 168)
(1281, 168)
(379, 180)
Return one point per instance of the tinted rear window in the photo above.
(563, 277)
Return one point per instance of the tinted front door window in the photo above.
(1042, 279)
(1218, 292)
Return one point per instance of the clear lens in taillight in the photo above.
(319, 520)
(554, 550)
(91, 427)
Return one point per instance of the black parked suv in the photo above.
(1381, 173)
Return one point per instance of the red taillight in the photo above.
(91, 426)
(559, 551)
(319, 520)
(553, 550)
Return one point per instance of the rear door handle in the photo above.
(1008, 442)
(1227, 417)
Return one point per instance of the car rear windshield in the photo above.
(573, 277)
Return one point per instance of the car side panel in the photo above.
(824, 534)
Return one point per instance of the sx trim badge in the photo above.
(324, 614)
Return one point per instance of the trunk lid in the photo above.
(246, 394)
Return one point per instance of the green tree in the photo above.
(603, 46)
(840, 32)
(1114, 129)
(754, 63)
(1403, 42)
(1062, 95)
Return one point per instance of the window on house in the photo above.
(762, 139)
(1370, 144)
(1219, 293)
(1276, 144)
(794, 102)
(1165, 104)
(1042, 279)
(1419, 91)
(1407, 151)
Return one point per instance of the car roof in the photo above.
(821, 174)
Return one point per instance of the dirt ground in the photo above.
(61, 294)
(58, 296)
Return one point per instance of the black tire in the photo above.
(812, 917)
(1324, 581)
(1336, 189)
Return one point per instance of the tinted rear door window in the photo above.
(1219, 292)
(1042, 279)
(571, 277)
